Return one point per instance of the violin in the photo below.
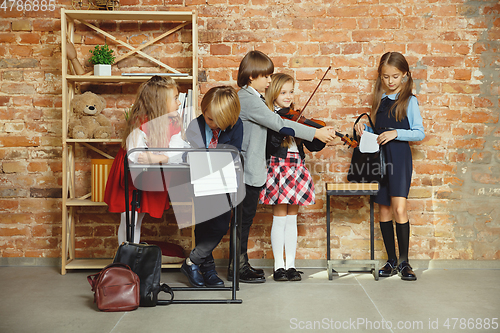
(347, 140)
(290, 114)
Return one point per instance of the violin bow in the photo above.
(324, 75)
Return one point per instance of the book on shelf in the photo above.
(187, 113)
(159, 74)
(182, 100)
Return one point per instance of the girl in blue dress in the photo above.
(397, 118)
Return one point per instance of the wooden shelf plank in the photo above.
(352, 186)
(101, 263)
(120, 78)
(172, 16)
(88, 263)
(84, 202)
(95, 140)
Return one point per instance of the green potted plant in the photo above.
(102, 59)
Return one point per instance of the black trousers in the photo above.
(207, 236)
(249, 208)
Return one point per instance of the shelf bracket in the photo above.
(97, 150)
(152, 41)
(138, 49)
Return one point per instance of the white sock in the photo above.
(290, 240)
(278, 240)
(122, 229)
(137, 231)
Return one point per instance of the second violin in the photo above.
(287, 113)
(347, 140)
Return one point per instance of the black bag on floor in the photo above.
(145, 261)
(366, 167)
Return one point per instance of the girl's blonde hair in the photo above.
(398, 110)
(278, 80)
(151, 106)
(224, 105)
(254, 64)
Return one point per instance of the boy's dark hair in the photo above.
(254, 64)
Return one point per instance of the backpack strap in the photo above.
(166, 288)
(92, 280)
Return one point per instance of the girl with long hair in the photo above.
(151, 122)
(289, 184)
(396, 115)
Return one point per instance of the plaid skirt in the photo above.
(288, 182)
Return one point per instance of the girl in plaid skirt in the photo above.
(289, 184)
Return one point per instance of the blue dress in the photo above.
(399, 164)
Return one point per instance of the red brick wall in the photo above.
(453, 50)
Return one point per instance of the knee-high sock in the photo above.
(387, 230)
(122, 229)
(278, 240)
(290, 240)
(403, 232)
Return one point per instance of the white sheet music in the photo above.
(212, 173)
(368, 143)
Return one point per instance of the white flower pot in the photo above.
(102, 70)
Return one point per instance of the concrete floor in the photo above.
(40, 299)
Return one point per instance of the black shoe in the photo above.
(389, 269)
(293, 274)
(247, 276)
(257, 271)
(280, 275)
(193, 274)
(212, 279)
(406, 272)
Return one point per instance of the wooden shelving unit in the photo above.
(70, 84)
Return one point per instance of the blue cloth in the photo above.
(416, 131)
(208, 134)
(398, 159)
(199, 134)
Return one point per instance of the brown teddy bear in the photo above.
(86, 120)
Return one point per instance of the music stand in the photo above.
(140, 170)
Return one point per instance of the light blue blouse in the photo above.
(208, 134)
(416, 131)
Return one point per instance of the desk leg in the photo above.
(328, 245)
(235, 246)
(372, 231)
(127, 218)
(131, 226)
(328, 227)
